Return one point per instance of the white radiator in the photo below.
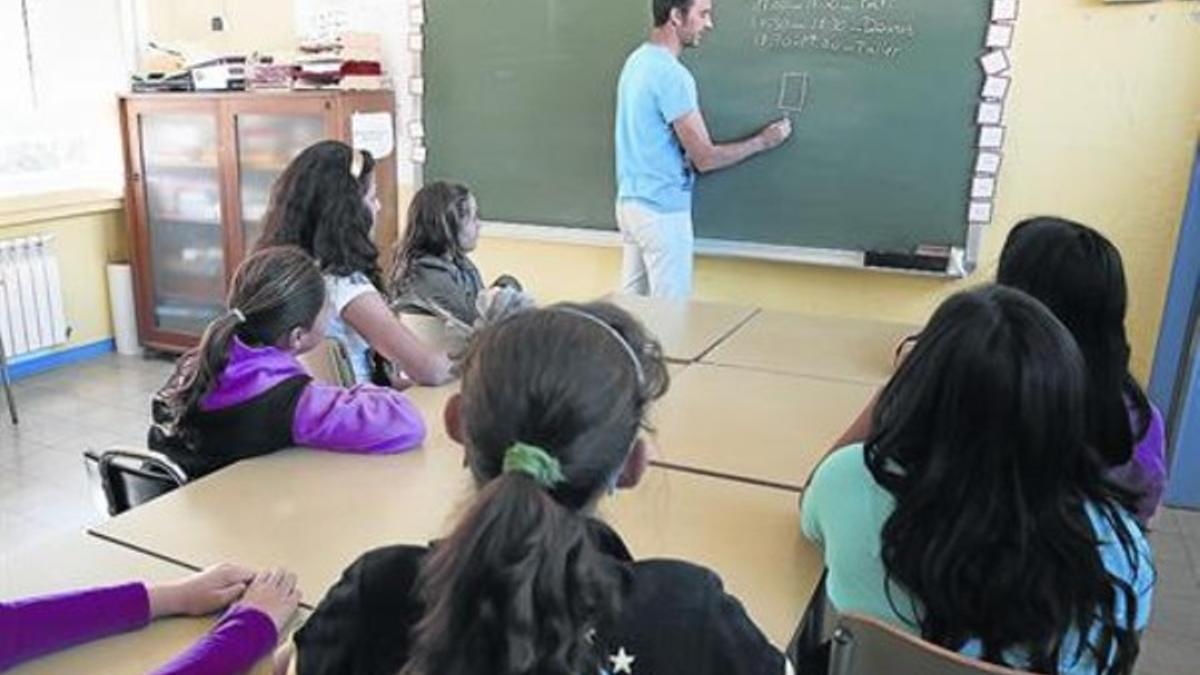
(31, 302)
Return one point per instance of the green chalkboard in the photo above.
(519, 103)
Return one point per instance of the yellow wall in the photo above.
(84, 242)
(1103, 121)
(261, 25)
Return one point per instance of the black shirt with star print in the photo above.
(676, 618)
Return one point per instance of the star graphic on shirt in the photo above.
(622, 662)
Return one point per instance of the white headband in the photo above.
(637, 364)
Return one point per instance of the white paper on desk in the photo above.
(416, 86)
(416, 16)
(418, 154)
(995, 87)
(416, 129)
(987, 163)
(1000, 35)
(994, 62)
(983, 187)
(1004, 10)
(991, 137)
(990, 112)
(373, 132)
(416, 42)
(979, 212)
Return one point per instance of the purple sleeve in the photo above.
(364, 419)
(1150, 455)
(36, 626)
(234, 645)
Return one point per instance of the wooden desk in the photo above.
(748, 534)
(77, 561)
(315, 512)
(845, 349)
(686, 329)
(753, 425)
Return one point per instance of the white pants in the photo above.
(657, 255)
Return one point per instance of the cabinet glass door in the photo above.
(266, 143)
(183, 214)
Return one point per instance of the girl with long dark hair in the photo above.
(325, 203)
(977, 514)
(1077, 273)
(242, 392)
(529, 581)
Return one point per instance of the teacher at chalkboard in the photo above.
(662, 142)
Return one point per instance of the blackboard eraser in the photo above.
(920, 261)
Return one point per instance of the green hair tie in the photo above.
(535, 463)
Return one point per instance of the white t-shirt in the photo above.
(341, 291)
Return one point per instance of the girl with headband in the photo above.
(550, 415)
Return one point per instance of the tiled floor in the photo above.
(106, 402)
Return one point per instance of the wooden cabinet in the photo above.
(199, 170)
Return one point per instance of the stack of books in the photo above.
(351, 61)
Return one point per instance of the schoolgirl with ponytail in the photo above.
(529, 581)
(242, 392)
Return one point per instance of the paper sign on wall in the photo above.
(1000, 35)
(1004, 10)
(990, 112)
(994, 62)
(373, 132)
(980, 212)
(995, 87)
(991, 137)
(983, 187)
(987, 163)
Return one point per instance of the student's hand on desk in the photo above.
(274, 593)
(201, 593)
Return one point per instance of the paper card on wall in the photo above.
(373, 132)
(987, 163)
(979, 212)
(416, 16)
(1000, 35)
(990, 112)
(416, 42)
(416, 86)
(991, 137)
(994, 62)
(1004, 10)
(983, 187)
(418, 154)
(995, 87)
(416, 129)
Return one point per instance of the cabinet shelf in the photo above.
(193, 201)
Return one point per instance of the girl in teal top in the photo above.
(976, 515)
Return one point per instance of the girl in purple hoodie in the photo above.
(242, 393)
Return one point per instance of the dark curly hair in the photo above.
(317, 204)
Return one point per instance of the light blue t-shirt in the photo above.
(844, 510)
(655, 90)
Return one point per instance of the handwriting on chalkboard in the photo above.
(881, 29)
